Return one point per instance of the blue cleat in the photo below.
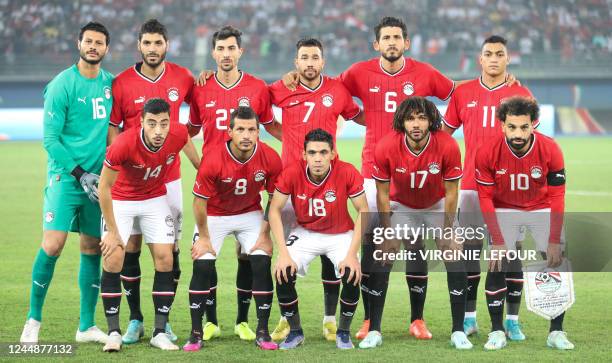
(173, 338)
(513, 330)
(135, 331)
(343, 340)
(470, 326)
(293, 340)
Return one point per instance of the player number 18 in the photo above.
(316, 207)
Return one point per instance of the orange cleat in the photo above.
(363, 331)
(419, 330)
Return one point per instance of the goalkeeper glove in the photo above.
(89, 182)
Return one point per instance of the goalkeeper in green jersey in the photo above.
(78, 103)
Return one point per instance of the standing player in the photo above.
(133, 192)
(319, 188)
(316, 103)
(473, 106)
(227, 201)
(154, 77)
(521, 183)
(417, 171)
(211, 107)
(77, 105)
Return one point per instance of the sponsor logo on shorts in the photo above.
(244, 102)
(173, 94)
(170, 159)
(408, 88)
(548, 282)
(327, 100)
(169, 221)
(49, 216)
(259, 175)
(330, 196)
(536, 172)
(434, 168)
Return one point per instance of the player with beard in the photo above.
(154, 77)
(317, 102)
(473, 105)
(76, 108)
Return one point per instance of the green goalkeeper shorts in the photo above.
(67, 208)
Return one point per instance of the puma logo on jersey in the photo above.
(302, 196)
(293, 103)
(500, 172)
(227, 180)
(375, 89)
(139, 99)
(472, 104)
(138, 166)
(82, 99)
(400, 170)
(211, 104)
(198, 185)
(51, 114)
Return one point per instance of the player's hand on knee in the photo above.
(352, 263)
(553, 255)
(291, 80)
(89, 182)
(284, 263)
(264, 243)
(201, 247)
(110, 243)
(203, 76)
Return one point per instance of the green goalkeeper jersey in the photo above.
(76, 117)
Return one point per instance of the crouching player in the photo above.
(319, 188)
(132, 192)
(227, 201)
(521, 183)
(417, 171)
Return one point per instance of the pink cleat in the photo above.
(265, 342)
(193, 344)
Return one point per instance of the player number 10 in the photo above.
(316, 207)
(486, 117)
(519, 182)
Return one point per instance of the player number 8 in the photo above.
(241, 187)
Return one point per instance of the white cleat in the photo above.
(162, 342)
(113, 343)
(29, 335)
(91, 335)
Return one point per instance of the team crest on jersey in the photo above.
(49, 217)
(173, 94)
(244, 102)
(327, 100)
(536, 172)
(107, 93)
(330, 196)
(259, 175)
(408, 89)
(434, 168)
(170, 159)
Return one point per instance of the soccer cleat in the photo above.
(282, 329)
(113, 343)
(194, 343)
(264, 342)
(211, 331)
(496, 341)
(91, 335)
(294, 339)
(372, 340)
(558, 339)
(30, 332)
(329, 331)
(363, 331)
(343, 340)
(162, 342)
(513, 330)
(470, 326)
(460, 341)
(134, 332)
(419, 330)
(244, 332)
(170, 333)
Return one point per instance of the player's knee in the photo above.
(113, 262)
(53, 242)
(163, 260)
(134, 243)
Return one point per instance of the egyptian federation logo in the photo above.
(49, 216)
(244, 102)
(170, 159)
(259, 175)
(107, 93)
(434, 168)
(173, 94)
(169, 221)
(330, 196)
(536, 172)
(548, 282)
(327, 100)
(408, 89)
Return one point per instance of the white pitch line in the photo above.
(585, 193)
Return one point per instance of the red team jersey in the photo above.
(131, 90)
(474, 106)
(307, 109)
(213, 103)
(382, 92)
(417, 181)
(322, 207)
(142, 172)
(231, 186)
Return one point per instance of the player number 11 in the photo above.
(486, 117)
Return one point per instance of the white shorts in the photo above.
(151, 216)
(174, 195)
(469, 214)
(245, 227)
(513, 224)
(288, 218)
(432, 217)
(304, 246)
(369, 185)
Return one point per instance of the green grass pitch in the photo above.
(588, 323)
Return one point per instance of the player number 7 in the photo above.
(310, 106)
